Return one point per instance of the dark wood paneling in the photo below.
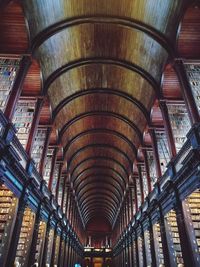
(13, 31)
(189, 37)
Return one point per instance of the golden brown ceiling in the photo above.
(102, 62)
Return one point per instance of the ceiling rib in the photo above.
(105, 61)
(130, 23)
(101, 113)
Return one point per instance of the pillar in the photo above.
(17, 87)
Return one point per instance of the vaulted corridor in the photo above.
(99, 133)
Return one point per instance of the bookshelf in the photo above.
(132, 201)
(55, 178)
(24, 243)
(140, 251)
(158, 244)
(147, 248)
(139, 196)
(8, 206)
(65, 199)
(56, 253)
(193, 73)
(38, 145)
(8, 72)
(23, 118)
(180, 123)
(134, 254)
(193, 203)
(174, 234)
(163, 150)
(62, 255)
(49, 247)
(152, 167)
(40, 242)
(144, 179)
(60, 191)
(48, 164)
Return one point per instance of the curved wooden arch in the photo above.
(104, 211)
(100, 197)
(121, 183)
(115, 191)
(99, 166)
(112, 207)
(107, 206)
(95, 175)
(116, 20)
(108, 141)
(106, 181)
(101, 113)
(101, 60)
(81, 197)
(92, 214)
(91, 197)
(97, 205)
(116, 149)
(106, 214)
(102, 91)
(101, 130)
(104, 206)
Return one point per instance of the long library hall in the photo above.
(100, 133)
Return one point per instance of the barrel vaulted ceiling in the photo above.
(102, 63)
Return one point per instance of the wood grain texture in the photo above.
(157, 14)
(101, 41)
(189, 37)
(13, 31)
(101, 109)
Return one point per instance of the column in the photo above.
(168, 129)
(64, 193)
(67, 252)
(44, 152)
(34, 126)
(155, 152)
(131, 201)
(152, 245)
(44, 257)
(166, 242)
(31, 260)
(147, 170)
(58, 181)
(52, 168)
(64, 252)
(136, 247)
(132, 250)
(17, 87)
(60, 263)
(135, 193)
(54, 246)
(186, 234)
(143, 246)
(141, 183)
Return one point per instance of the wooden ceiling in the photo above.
(102, 64)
